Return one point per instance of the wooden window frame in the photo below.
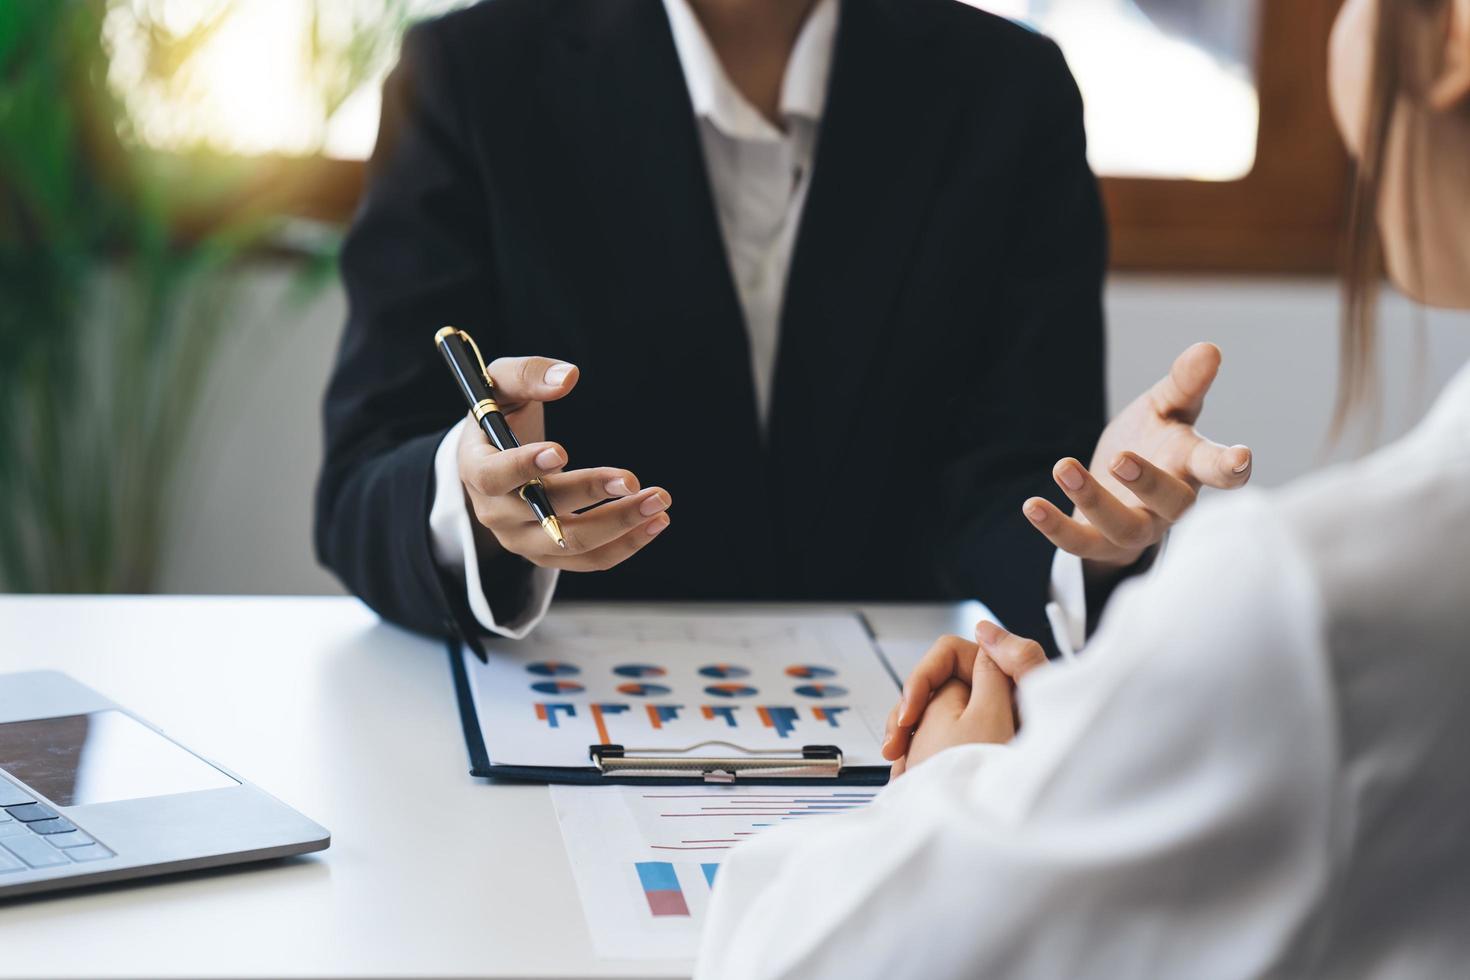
(1285, 216)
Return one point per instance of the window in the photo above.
(257, 77)
(1169, 85)
(1207, 119)
(1209, 123)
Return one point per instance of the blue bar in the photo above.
(657, 876)
(727, 713)
(709, 872)
(552, 709)
(783, 719)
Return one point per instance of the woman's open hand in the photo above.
(623, 516)
(1146, 472)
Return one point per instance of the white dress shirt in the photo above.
(1259, 769)
(759, 175)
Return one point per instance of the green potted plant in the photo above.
(119, 262)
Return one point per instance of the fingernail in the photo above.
(1035, 512)
(618, 488)
(549, 458)
(903, 707)
(1071, 476)
(988, 633)
(556, 374)
(653, 505)
(1245, 465)
(1127, 469)
(654, 527)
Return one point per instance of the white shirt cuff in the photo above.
(1067, 610)
(452, 538)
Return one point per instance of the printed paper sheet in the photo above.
(646, 859)
(670, 681)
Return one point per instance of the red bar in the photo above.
(667, 903)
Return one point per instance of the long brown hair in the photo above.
(1362, 257)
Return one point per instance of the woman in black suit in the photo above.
(543, 180)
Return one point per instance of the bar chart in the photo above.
(647, 860)
(661, 888)
(672, 684)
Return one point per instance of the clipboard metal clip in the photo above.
(813, 762)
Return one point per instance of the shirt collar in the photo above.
(715, 97)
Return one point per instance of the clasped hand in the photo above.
(965, 692)
(628, 519)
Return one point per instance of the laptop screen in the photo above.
(101, 757)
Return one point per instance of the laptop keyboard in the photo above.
(32, 835)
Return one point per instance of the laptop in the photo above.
(90, 792)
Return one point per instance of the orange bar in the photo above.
(765, 717)
(653, 718)
(602, 738)
(541, 712)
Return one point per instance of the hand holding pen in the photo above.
(501, 484)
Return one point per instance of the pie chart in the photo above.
(557, 687)
(730, 690)
(821, 691)
(723, 670)
(639, 670)
(643, 690)
(809, 671)
(552, 668)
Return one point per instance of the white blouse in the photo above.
(1260, 767)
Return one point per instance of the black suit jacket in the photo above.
(539, 181)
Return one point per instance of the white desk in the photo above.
(430, 872)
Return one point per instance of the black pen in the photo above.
(468, 367)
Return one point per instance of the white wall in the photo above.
(243, 521)
(1279, 338)
(244, 524)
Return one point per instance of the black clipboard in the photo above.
(609, 765)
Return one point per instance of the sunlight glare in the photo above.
(1201, 124)
(247, 89)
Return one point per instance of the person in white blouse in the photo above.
(1257, 767)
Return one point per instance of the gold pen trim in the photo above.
(444, 332)
(484, 407)
(552, 527)
(480, 359)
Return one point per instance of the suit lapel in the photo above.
(632, 152)
(888, 117)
